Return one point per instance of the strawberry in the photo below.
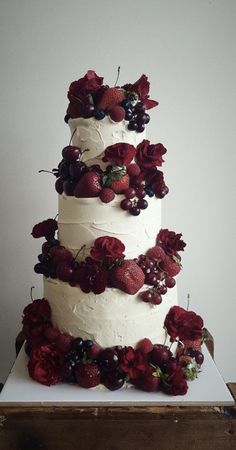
(171, 265)
(145, 346)
(120, 186)
(111, 97)
(87, 375)
(117, 113)
(128, 277)
(88, 186)
(106, 195)
(156, 253)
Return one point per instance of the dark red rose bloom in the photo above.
(91, 277)
(173, 321)
(120, 154)
(191, 326)
(45, 229)
(175, 382)
(141, 87)
(149, 155)
(37, 312)
(107, 249)
(170, 241)
(81, 88)
(183, 324)
(134, 363)
(47, 365)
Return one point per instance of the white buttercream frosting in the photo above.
(110, 318)
(82, 220)
(96, 135)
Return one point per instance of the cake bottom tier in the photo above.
(111, 318)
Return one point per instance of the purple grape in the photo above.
(68, 187)
(135, 211)
(142, 203)
(77, 169)
(199, 357)
(133, 126)
(113, 381)
(59, 185)
(126, 204)
(108, 360)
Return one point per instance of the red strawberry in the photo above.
(156, 253)
(128, 277)
(88, 186)
(145, 346)
(150, 381)
(171, 265)
(117, 114)
(107, 195)
(120, 186)
(87, 375)
(133, 170)
(111, 97)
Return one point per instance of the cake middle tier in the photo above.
(111, 318)
(82, 220)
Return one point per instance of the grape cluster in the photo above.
(134, 200)
(69, 170)
(156, 277)
(135, 114)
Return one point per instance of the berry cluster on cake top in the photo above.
(89, 97)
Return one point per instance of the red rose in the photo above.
(173, 321)
(175, 382)
(191, 326)
(45, 229)
(120, 154)
(81, 88)
(149, 155)
(183, 324)
(47, 365)
(107, 249)
(141, 87)
(170, 241)
(134, 363)
(36, 313)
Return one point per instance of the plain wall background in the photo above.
(187, 48)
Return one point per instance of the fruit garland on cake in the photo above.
(107, 267)
(56, 357)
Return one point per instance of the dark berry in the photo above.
(71, 153)
(59, 185)
(135, 211)
(88, 344)
(132, 125)
(170, 282)
(149, 191)
(99, 114)
(88, 111)
(108, 360)
(140, 128)
(113, 381)
(142, 203)
(199, 357)
(130, 193)
(77, 343)
(77, 169)
(126, 204)
(68, 187)
(126, 104)
(128, 115)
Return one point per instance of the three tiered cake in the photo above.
(110, 310)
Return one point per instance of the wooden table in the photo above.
(118, 428)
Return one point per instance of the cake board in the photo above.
(208, 389)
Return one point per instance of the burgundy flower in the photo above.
(37, 312)
(183, 324)
(149, 155)
(120, 154)
(173, 321)
(170, 241)
(81, 88)
(134, 363)
(175, 382)
(91, 277)
(45, 229)
(47, 365)
(107, 249)
(191, 327)
(141, 87)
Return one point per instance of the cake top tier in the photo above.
(89, 97)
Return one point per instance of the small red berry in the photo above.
(117, 114)
(133, 170)
(107, 195)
